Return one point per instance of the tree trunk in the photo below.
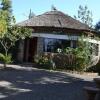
(5, 63)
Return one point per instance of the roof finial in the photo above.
(53, 8)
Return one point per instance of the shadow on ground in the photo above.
(40, 85)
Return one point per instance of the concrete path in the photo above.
(25, 83)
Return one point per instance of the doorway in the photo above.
(30, 48)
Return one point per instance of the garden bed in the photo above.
(93, 74)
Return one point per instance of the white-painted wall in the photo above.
(55, 36)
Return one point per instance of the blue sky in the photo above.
(21, 8)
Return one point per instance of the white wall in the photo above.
(55, 36)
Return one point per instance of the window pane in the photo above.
(51, 45)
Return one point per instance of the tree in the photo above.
(31, 14)
(97, 26)
(9, 31)
(84, 15)
(83, 54)
(6, 7)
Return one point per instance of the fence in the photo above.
(62, 60)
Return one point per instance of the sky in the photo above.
(21, 8)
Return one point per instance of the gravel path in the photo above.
(25, 83)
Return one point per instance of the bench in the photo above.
(91, 92)
(97, 81)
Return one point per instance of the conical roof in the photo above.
(54, 19)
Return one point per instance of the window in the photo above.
(74, 44)
(51, 45)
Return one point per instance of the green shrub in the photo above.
(78, 59)
(83, 54)
(6, 58)
(43, 60)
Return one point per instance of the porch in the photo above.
(41, 42)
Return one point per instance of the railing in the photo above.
(62, 60)
(67, 60)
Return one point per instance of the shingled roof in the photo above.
(54, 19)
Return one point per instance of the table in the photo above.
(91, 92)
(97, 81)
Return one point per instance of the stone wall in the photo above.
(40, 42)
(20, 51)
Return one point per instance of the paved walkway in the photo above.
(25, 83)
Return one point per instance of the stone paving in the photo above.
(26, 83)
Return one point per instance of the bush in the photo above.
(78, 59)
(56, 61)
(44, 61)
(72, 59)
(6, 58)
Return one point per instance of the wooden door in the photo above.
(30, 48)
